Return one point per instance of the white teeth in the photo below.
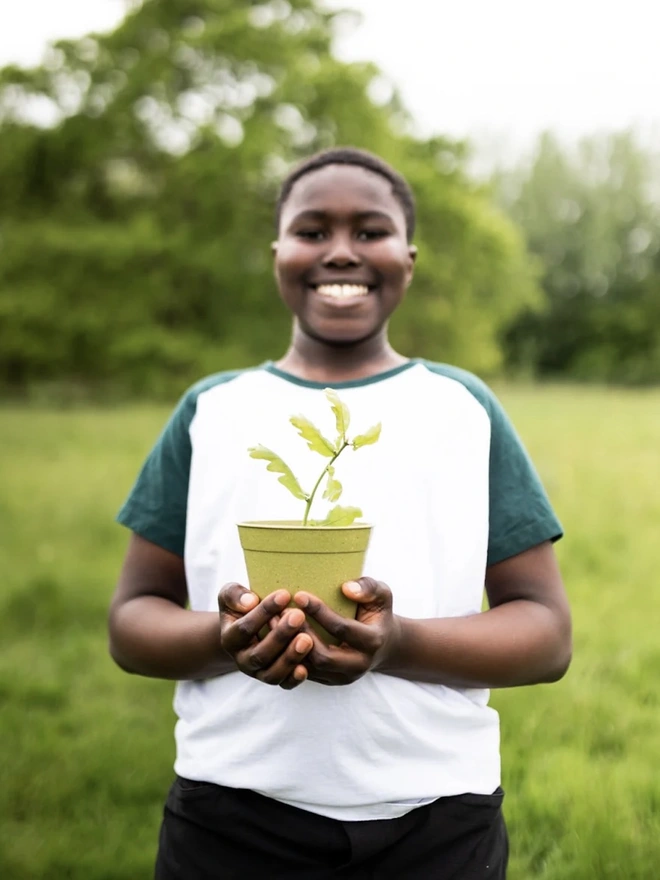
(342, 291)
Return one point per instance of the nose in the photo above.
(340, 251)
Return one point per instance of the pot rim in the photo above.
(296, 525)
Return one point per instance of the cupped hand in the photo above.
(363, 643)
(277, 657)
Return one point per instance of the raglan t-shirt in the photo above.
(448, 488)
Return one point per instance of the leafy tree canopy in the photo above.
(137, 181)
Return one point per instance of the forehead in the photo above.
(343, 189)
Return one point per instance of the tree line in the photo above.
(591, 216)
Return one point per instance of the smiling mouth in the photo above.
(342, 291)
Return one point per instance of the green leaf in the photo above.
(342, 415)
(341, 516)
(333, 487)
(277, 466)
(369, 437)
(315, 439)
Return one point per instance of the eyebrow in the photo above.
(360, 215)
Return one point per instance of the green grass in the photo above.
(87, 750)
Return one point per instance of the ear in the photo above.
(412, 256)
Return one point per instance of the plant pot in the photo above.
(318, 559)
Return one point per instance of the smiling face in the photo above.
(342, 258)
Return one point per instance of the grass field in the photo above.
(87, 751)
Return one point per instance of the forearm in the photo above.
(152, 636)
(518, 643)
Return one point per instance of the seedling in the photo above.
(338, 516)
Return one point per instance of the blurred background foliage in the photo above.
(592, 216)
(138, 175)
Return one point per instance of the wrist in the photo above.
(389, 657)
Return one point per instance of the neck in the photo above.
(318, 361)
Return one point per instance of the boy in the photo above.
(378, 758)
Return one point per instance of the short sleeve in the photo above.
(520, 514)
(157, 504)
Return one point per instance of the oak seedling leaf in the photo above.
(342, 415)
(333, 488)
(277, 466)
(341, 516)
(338, 516)
(315, 439)
(369, 437)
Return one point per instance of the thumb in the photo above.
(367, 591)
(236, 599)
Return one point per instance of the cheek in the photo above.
(393, 261)
(290, 260)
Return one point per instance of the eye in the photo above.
(310, 234)
(372, 234)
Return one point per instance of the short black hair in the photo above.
(352, 156)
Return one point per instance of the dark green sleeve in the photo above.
(521, 515)
(156, 506)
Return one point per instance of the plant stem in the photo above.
(318, 482)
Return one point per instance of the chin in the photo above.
(347, 339)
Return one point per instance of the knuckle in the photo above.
(253, 662)
(377, 589)
(279, 636)
(375, 641)
(321, 662)
(227, 592)
(243, 628)
(278, 641)
(268, 678)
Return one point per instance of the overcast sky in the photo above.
(501, 70)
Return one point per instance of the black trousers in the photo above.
(210, 832)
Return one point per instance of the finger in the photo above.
(332, 665)
(297, 677)
(336, 666)
(239, 632)
(345, 630)
(285, 665)
(259, 659)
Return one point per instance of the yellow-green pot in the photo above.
(318, 559)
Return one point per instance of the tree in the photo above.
(137, 178)
(592, 217)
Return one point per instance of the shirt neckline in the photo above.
(270, 367)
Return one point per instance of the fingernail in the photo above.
(302, 645)
(295, 618)
(301, 599)
(281, 598)
(354, 587)
(247, 599)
